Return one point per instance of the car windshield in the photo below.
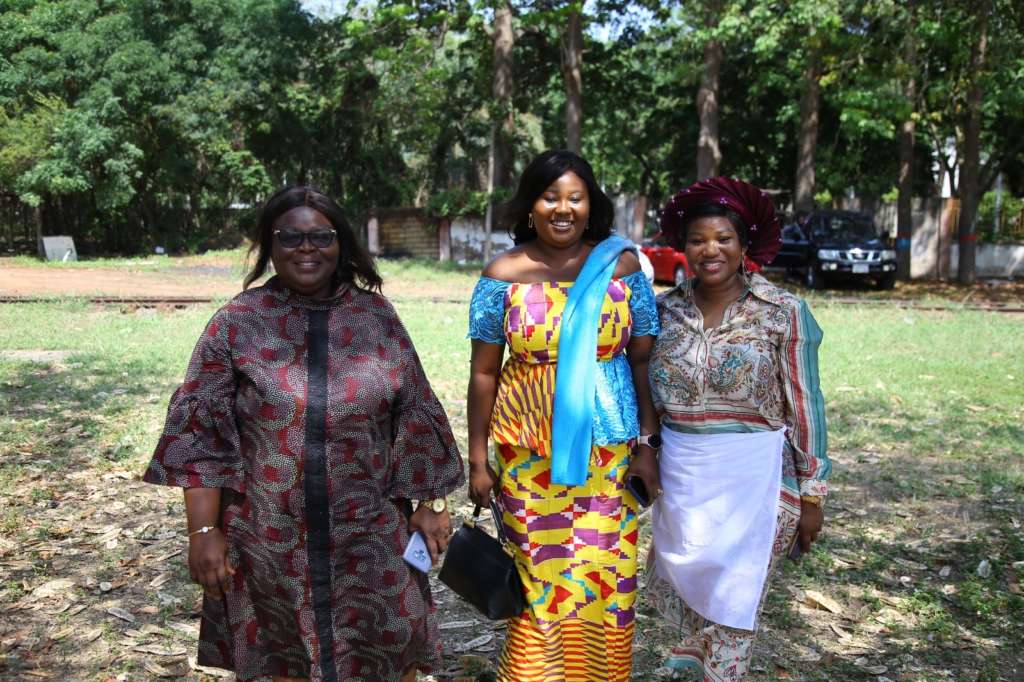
(844, 227)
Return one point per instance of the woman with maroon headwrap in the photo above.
(734, 377)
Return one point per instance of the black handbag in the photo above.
(482, 570)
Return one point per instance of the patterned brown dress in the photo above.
(317, 421)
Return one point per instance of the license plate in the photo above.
(861, 269)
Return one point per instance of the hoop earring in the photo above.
(529, 225)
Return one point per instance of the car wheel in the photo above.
(680, 275)
(814, 279)
(886, 283)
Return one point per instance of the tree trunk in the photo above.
(39, 232)
(807, 143)
(489, 213)
(904, 209)
(970, 193)
(709, 156)
(502, 86)
(572, 68)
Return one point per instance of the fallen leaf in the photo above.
(1014, 588)
(483, 640)
(121, 613)
(841, 633)
(190, 630)
(827, 660)
(216, 672)
(945, 571)
(975, 408)
(161, 579)
(156, 669)
(158, 650)
(781, 673)
(92, 635)
(457, 624)
(817, 599)
(53, 588)
(906, 563)
(984, 569)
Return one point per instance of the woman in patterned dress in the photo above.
(734, 374)
(576, 543)
(303, 431)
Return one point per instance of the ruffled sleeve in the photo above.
(805, 405)
(200, 446)
(487, 311)
(426, 463)
(643, 308)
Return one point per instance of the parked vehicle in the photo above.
(669, 265)
(834, 245)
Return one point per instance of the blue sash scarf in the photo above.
(576, 370)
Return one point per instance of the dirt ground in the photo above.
(100, 592)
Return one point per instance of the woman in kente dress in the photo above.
(562, 413)
(303, 431)
(743, 463)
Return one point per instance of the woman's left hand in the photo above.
(436, 528)
(644, 463)
(811, 520)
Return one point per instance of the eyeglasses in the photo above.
(292, 238)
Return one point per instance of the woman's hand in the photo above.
(208, 563)
(644, 463)
(482, 482)
(811, 520)
(436, 528)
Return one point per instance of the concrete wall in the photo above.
(467, 239)
(1002, 259)
(406, 233)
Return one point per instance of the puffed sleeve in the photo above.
(643, 308)
(487, 311)
(805, 405)
(426, 463)
(200, 445)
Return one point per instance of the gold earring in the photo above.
(530, 224)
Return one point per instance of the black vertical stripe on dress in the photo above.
(318, 517)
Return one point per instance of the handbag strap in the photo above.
(498, 525)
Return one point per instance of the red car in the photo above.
(669, 265)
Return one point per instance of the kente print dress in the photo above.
(577, 545)
(318, 424)
(758, 371)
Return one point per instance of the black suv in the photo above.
(837, 244)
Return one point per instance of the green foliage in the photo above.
(138, 123)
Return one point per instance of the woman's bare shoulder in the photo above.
(508, 266)
(628, 264)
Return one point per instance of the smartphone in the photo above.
(796, 550)
(416, 554)
(635, 485)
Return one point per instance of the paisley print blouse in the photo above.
(757, 371)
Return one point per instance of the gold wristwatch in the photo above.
(816, 500)
(437, 505)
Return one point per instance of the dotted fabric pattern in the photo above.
(238, 423)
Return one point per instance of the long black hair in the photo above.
(542, 172)
(710, 209)
(355, 264)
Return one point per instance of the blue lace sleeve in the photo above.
(487, 311)
(642, 307)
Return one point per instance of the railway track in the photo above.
(185, 301)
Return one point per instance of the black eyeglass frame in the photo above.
(311, 235)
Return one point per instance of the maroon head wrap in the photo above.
(755, 209)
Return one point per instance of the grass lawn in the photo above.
(923, 549)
